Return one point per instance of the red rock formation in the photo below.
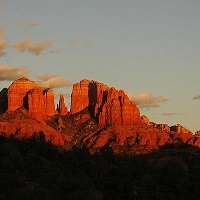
(19, 124)
(17, 93)
(107, 105)
(100, 117)
(119, 110)
(62, 109)
(87, 93)
(197, 133)
(40, 103)
(49, 104)
(163, 127)
(180, 129)
(37, 101)
(122, 139)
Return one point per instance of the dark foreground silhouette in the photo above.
(37, 170)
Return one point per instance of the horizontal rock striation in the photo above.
(107, 106)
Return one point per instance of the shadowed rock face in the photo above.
(3, 100)
(107, 106)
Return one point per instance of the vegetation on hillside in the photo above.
(37, 170)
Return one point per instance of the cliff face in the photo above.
(41, 102)
(87, 94)
(17, 93)
(27, 94)
(107, 106)
(100, 117)
(118, 110)
(62, 108)
(178, 129)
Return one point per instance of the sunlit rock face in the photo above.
(27, 94)
(17, 93)
(62, 108)
(163, 127)
(100, 117)
(106, 105)
(41, 102)
(118, 110)
(179, 129)
(20, 125)
(87, 93)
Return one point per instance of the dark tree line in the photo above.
(37, 170)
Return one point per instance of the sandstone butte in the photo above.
(100, 117)
(106, 105)
(26, 93)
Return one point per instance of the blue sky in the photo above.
(150, 49)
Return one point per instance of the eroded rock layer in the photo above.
(106, 105)
(17, 93)
(27, 94)
(62, 108)
(101, 117)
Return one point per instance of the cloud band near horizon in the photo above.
(52, 81)
(146, 100)
(10, 73)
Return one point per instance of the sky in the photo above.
(149, 49)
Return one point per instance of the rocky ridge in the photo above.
(101, 117)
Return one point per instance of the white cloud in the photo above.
(9, 73)
(146, 100)
(51, 81)
(37, 48)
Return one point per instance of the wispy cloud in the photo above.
(49, 81)
(172, 113)
(197, 97)
(9, 73)
(31, 24)
(146, 100)
(37, 48)
(3, 43)
(168, 114)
